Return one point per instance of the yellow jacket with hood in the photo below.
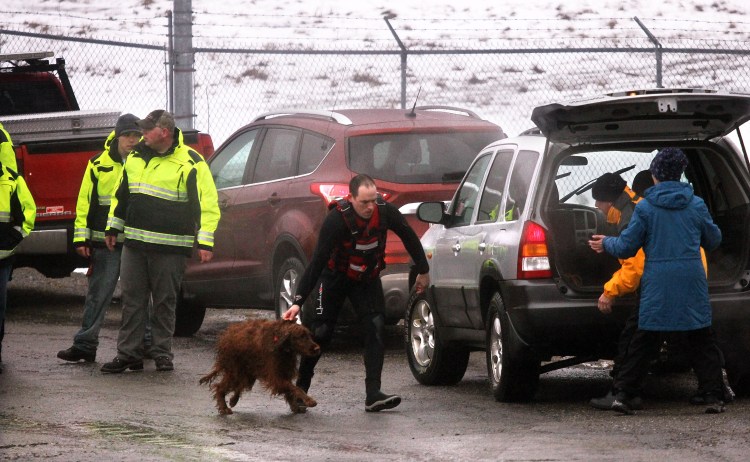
(7, 154)
(95, 196)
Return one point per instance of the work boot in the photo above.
(163, 363)
(75, 354)
(713, 404)
(622, 404)
(118, 365)
(379, 401)
(605, 402)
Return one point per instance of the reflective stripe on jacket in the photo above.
(165, 202)
(17, 211)
(95, 196)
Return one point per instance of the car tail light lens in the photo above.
(330, 191)
(533, 256)
(205, 145)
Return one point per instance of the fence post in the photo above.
(658, 51)
(184, 60)
(170, 63)
(403, 63)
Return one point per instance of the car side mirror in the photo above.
(431, 212)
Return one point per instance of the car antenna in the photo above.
(412, 113)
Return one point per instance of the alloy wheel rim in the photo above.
(422, 333)
(496, 350)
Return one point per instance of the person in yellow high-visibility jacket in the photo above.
(17, 216)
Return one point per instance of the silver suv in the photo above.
(511, 269)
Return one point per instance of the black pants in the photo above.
(623, 342)
(705, 358)
(369, 305)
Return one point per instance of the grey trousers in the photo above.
(145, 274)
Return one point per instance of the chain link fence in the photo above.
(501, 81)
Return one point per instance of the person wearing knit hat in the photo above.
(617, 203)
(97, 187)
(669, 164)
(615, 200)
(671, 223)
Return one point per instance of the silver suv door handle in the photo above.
(456, 247)
(482, 247)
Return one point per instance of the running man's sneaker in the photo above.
(379, 401)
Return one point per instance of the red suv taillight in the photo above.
(329, 191)
(533, 257)
(205, 145)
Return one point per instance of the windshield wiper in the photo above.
(590, 184)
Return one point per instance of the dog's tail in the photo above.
(210, 377)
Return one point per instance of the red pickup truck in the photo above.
(53, 140)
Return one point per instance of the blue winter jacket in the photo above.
(671, 224)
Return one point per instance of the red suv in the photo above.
(277, 175)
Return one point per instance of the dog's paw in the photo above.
(225, 411)
(309, 402)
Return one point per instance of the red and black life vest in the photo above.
(363, 256)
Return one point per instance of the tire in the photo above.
(188, 316)
(512, 370)
(285, 285)
(431, 362)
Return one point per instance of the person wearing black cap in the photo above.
(94, 198)
(165, 203)
(617, 202)
(671, 224)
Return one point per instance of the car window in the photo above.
(228, 165)
(278, 155)
(314, 149)
(574, 179)
(467, 194)
(492, 195)
(412, 158)
(520, 181)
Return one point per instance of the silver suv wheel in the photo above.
(422, 333)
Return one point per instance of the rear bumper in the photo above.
(53, 240)
(555, 324)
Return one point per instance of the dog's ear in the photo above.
(279, 339)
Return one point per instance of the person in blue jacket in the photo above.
(671, 224)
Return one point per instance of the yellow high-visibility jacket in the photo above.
(95, 196)
(165, 202)
(17, 211)
(7, 154)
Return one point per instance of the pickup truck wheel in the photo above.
(513, 372)
(188, 317)
(431, 362)
(289, 275)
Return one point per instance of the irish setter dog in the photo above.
(262, 350)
